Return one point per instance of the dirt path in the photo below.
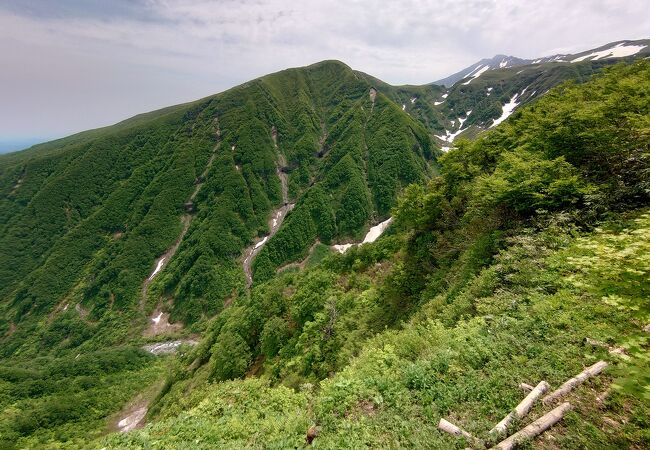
(277, 216)
(186, 220)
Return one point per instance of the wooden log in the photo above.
(450, 428)
(575, 381)
(536, 428)
(526, 387)
(522, 408)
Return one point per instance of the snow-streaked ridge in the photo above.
(618, 51)
(477, 73)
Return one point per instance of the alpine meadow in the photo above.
(318, 258)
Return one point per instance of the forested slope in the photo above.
(84, 220)
(504, 256)
(531, 243)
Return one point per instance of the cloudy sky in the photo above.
(70, 65)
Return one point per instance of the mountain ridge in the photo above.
(504, 61)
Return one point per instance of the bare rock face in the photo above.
(373, 94)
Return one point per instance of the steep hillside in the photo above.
(525, 260)
(154, 213)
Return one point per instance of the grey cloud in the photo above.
(75, 64)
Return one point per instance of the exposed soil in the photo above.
(159, 324)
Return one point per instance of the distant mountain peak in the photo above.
(617, 49)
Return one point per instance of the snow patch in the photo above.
(132, 420)
(476, 73)
(618, 51)
(342, 248)
(161, 261)
(508, 109)
(167, 348)
(371, 236)
(262, 242)
(376, 231)
(276, 218)
(449, 136)
(438, 103)
(403, 107)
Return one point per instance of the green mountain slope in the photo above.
(526, 260)
(85, 219)
(214, 223)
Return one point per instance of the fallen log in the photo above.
(526, 387)
(536, 428)
(522, 408)
(575, 381)
(450, 428)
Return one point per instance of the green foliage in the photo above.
(231, 356)
(482, 285)
(235, 415)
(274, 336)
(65, 401)
(528, 322)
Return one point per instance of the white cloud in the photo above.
(70, 72)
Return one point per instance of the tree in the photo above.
(231, 356)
